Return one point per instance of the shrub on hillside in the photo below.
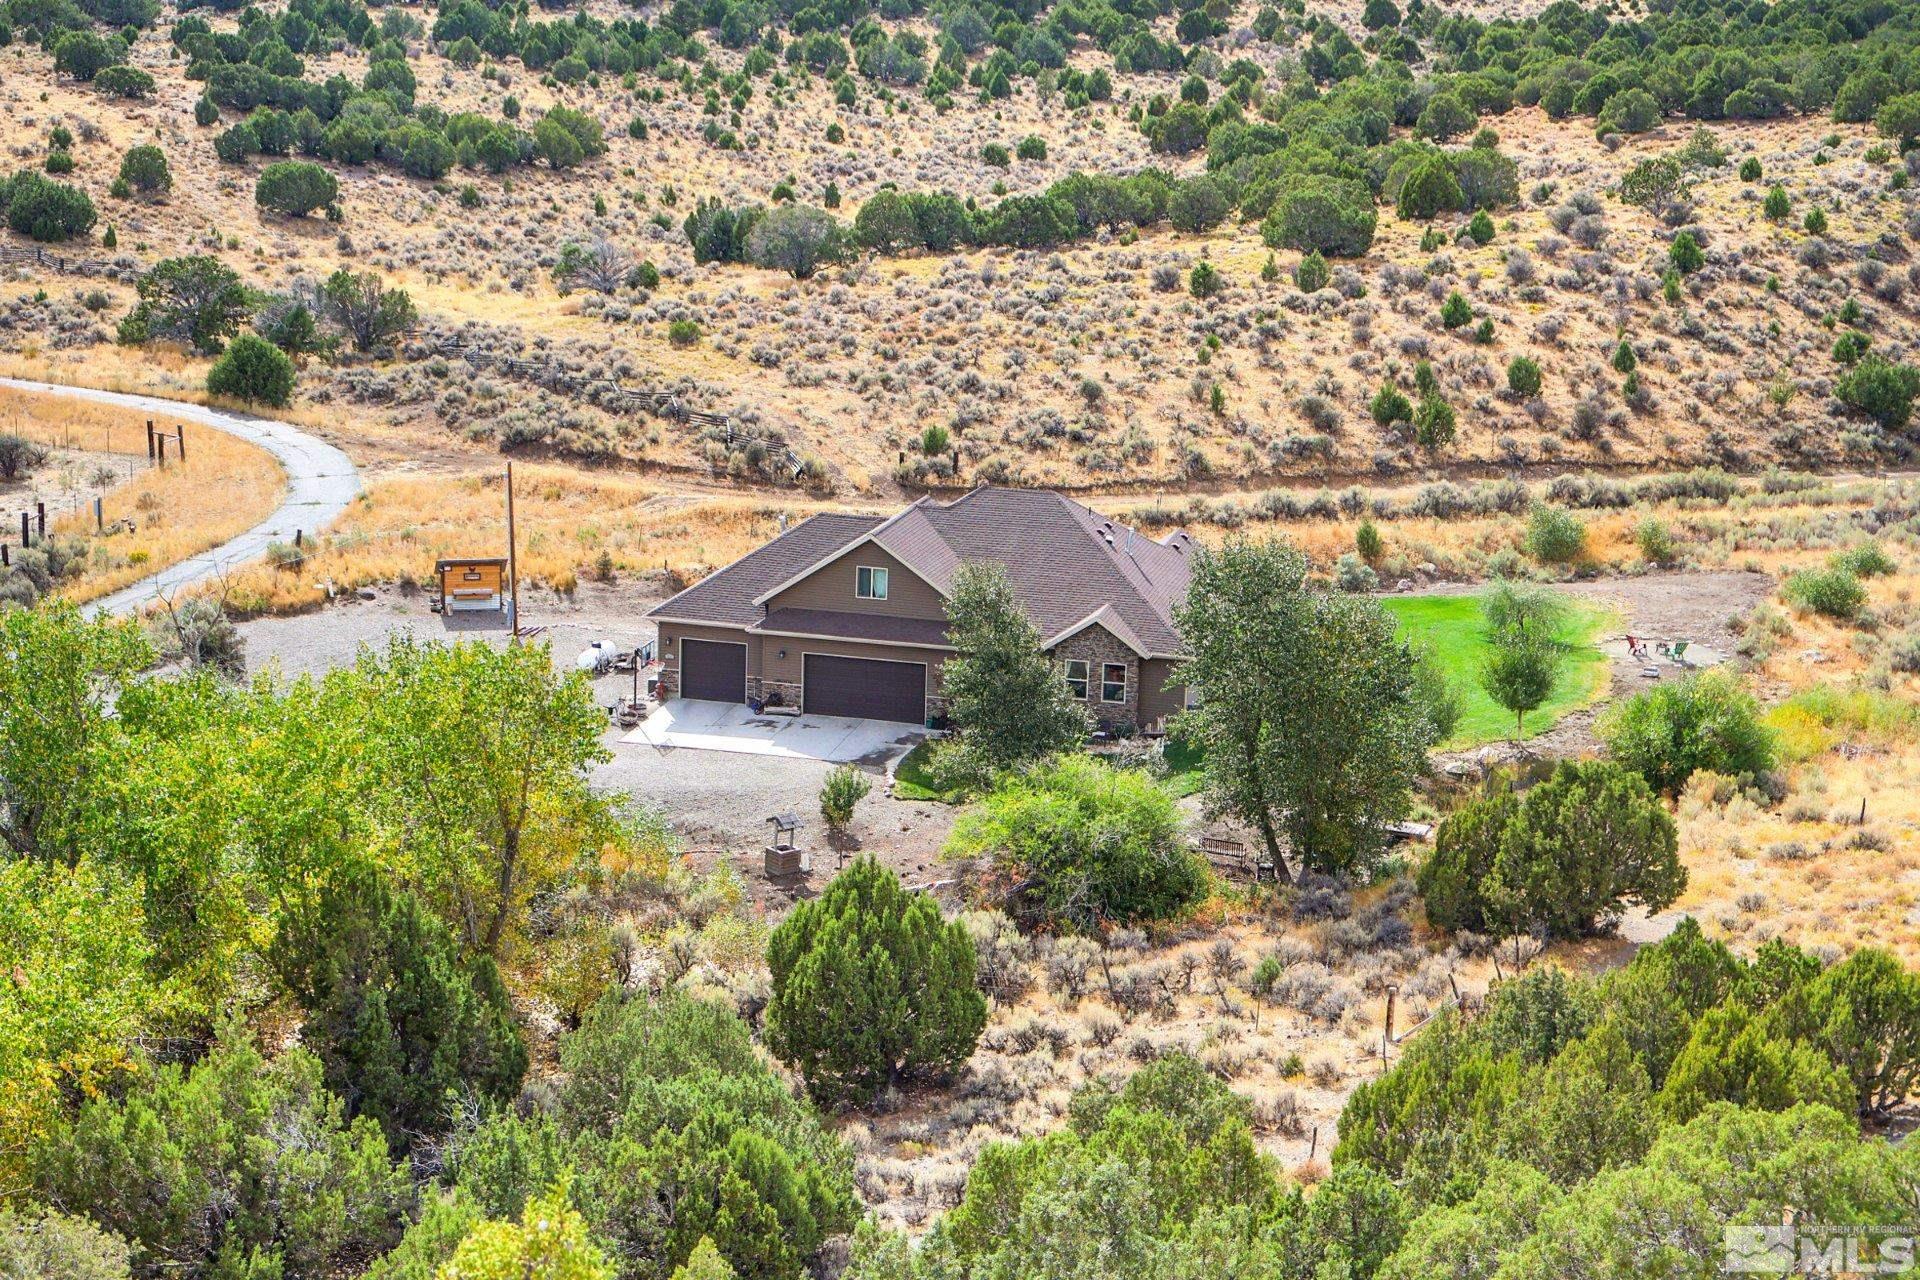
(1561, 861)
(1081, 845)
(871, 988)
(295, 188)
(1331, 216)
(1832, 592)
(253, 370)
(1704, 721)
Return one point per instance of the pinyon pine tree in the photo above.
(871, 987)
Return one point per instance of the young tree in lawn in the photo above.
(871, 987)
(1010, 705)
(1523, 667)
(1308, 710)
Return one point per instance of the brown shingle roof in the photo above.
(1066, 563)
(726, 597)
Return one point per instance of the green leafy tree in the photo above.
(1311, 275)
(1525, 653)
(477, 758)
(1555, 536)
(58, 735)
(798, 239)
(1433, 424)
(1777, 206)
(1864, 1013)
(401, 1024)
(1523, 376)
(83, 54)
(198, 300)
(44, 210)
(1703, 721)
(1080, 845)
(1311, 732)
(1654, 183)
(1735, 1056)
(1390, 405)
(1444, 116)
(550, 1242)
(1003, 693)
(885, 224)
(369, 312)
(1685, 254)
(1430, 190)
(1456, 311)
(253, 370)
(295, 188)
(1584, 843)
(871, 988)
(846, 786)
(1318, 214)
(1881, 390)
(75, 938)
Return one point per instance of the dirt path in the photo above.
(321, 481)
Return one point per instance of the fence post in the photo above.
(180, 439)
(99, 515)
(6, 556)
(161, 440)
(40, 518)
(149, 439)
(26, 529)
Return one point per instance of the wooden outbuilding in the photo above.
(475, 584)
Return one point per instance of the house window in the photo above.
(870, 583)
(1113, 682)
(1077, 678)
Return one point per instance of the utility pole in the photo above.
(513, 563)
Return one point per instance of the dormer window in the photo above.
(870, 583)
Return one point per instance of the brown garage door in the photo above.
(865, 687)
(713, 670)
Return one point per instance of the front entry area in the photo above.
(866, 688)
(713, 670)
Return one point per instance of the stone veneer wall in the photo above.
(1099, 646)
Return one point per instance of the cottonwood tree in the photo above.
(1308, 709)
(1010, 705)
(58, 681)
(477, 767)
(871, 987)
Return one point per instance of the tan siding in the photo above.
(831, 586)
(1158, 696)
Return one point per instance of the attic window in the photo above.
(870, 583)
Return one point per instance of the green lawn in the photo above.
(1453, 627)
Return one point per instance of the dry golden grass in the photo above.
(567, 520)
(226, 487)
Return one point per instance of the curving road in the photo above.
(321, 482)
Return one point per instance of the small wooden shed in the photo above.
(473, 584)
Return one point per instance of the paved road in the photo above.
(321, 482)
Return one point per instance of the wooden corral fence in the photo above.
(39, 257)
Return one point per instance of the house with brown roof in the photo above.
(846, 614)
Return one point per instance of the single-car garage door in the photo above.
(713, 670)
(865, 687)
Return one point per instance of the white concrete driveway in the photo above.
(732, 726)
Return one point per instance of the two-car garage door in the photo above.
(865, 687)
